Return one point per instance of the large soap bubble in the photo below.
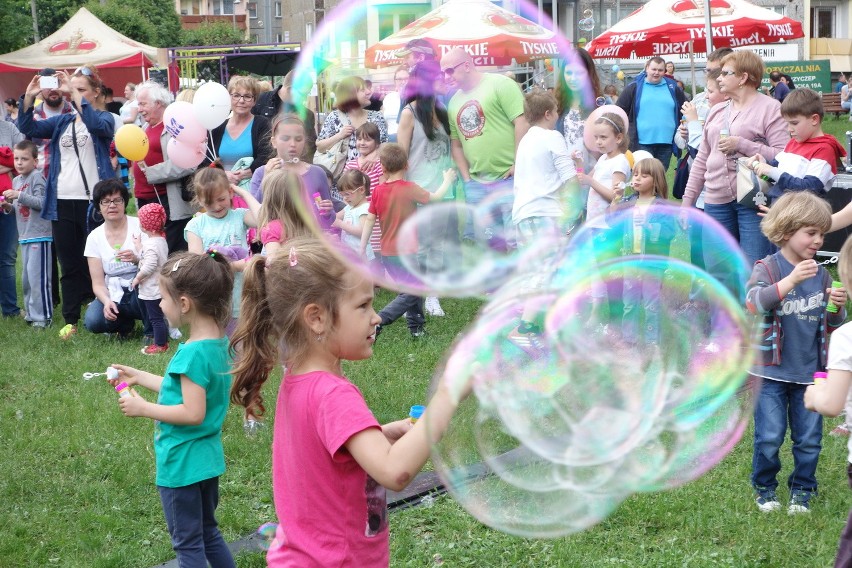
(451, 247)
(638, 389)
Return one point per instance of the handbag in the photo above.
(94, 219)
(334, 158)
(682, 173)
(751, 190)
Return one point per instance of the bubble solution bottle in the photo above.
(820, 377)
(416, 412)
(123, 390)
(832, 307)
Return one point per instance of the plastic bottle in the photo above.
(832, 307)
(820, 377)
(123, 390)
(724, 133)
(317, 199)
(416, 412)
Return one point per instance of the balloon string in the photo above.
(211, 147)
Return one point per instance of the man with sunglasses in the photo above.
(652, 103)
(486, 124)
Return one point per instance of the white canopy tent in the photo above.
(83, 40)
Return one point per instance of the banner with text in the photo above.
(815, 75)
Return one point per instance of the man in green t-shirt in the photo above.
(486, 124)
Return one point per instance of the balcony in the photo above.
(837, 51)
(195, 22)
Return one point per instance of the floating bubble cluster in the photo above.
(449, 247)
(632, 385)
(631, 375)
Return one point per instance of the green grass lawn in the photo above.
(76, 476)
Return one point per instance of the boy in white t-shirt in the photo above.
(544, 179)
(828, 397)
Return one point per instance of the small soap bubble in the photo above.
(19, 414)
(267, 532)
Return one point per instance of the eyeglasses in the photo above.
(351, 191)
(83, 71)
(238, 97)
(118, 202)
(451, 70)
(727, 73)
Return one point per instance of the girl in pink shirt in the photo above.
(279, 218)
(331, 459)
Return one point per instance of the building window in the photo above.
(278, 9)
(279, 38)
(227, 7)
(252, 10)
(780, 10)
(309, 32)
(822, 21)
(391, 21)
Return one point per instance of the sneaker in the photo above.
(252, 427)
(433, 307)
(528, 342)
(799, 503)
(768, 502)
(40, 324)
(175, 333)
(842, 430)
(417, 332)
(67, 331)
(154, 349)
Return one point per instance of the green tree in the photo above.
(17, 25)
(127, 20)
(53, 14)
(218, 33)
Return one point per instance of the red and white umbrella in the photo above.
(666, 27)
(491, 34)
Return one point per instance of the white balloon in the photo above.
(212, 104)
(641, 155)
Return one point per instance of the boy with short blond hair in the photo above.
(792, 293)
(34, 234)
(393, 202)
(809, 161)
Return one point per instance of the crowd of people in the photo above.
(231, 252)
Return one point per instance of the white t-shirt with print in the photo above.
(596, 205)
(840, 359)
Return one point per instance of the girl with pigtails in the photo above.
(331, 459)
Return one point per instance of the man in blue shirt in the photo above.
(652, 103)
(779, 89)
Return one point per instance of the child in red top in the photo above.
(393, 202)
(809, 161)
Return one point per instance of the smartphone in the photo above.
(51, 82)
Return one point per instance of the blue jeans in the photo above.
(744, 225)
(190, 516)
(130, 309)
(8, 257)
(777, 404)
(498, 228)
(408, 304)
(662, 152)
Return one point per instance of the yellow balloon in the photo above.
(132, 142)
(620, 75)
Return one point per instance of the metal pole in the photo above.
(36, 36)
(708, 28)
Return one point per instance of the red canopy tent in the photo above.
(84, 39)
(665, 27)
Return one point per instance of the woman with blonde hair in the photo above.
(352, 97)
(243, 134)
(79, 150)
(749, 123)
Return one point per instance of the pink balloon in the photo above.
(185, 155)
(180, 122)
(588, 134)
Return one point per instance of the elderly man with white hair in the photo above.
(157, 179)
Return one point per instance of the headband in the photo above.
(614, 125)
